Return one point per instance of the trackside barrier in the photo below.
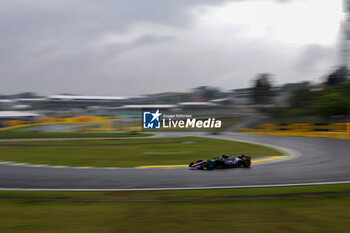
(306, 127)
(13, 124)
(302, 127)
(343, 127)
(342, 135)
(23, 125)
(74, 120)
(115, 129)
(104, 123)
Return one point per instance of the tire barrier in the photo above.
(334, 130)
(103, 123)
(341, 135)
(306, 127)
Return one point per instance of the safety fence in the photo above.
(102, 123)
(306, 127)
(336, 130)
(62, 120)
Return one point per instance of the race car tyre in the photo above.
(191, 164)
(246, 163)
(210, 165)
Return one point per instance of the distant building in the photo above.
(196, 105)
(243, 95)
(169, 97)
(64, 102)
(17, 115)
(6, 104)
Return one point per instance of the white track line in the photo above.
(291, 154)
(169, 189)
(71, 139)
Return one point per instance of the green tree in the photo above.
(301, 98)
(290, 87)
(332, 104)
(262, 90)
(337, 77)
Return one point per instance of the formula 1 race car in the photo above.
(225, 161)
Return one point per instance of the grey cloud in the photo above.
(49, 46)
(313, 56)
(150, 39)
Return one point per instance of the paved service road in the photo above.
(322, 160)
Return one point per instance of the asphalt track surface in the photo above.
(322, 160)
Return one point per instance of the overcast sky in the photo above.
(132, 47)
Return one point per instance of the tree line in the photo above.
(331, 98)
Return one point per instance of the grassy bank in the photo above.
(127, 152)
(326, 213)
(20, 133)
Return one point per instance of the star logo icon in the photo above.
(156, 115)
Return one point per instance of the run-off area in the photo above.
(128, 152)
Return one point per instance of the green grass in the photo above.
(20, 133)
(228, 120)
(128, 152)
(329, 213)
(127, 195)
(226, 123)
